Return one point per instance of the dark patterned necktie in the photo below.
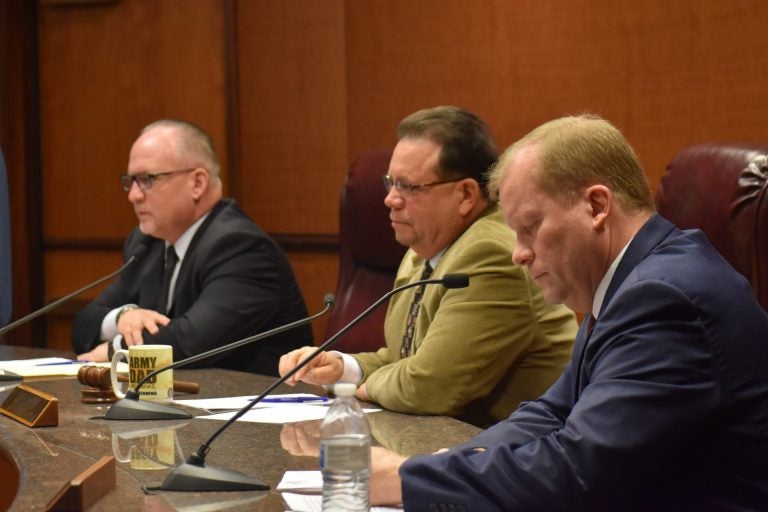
(170, 265)
(413, 312)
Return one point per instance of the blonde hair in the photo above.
(578, 151)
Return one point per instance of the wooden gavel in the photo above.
(99, 377)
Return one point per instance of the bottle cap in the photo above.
(344, 389)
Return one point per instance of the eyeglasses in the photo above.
(406, 188)
(144, 180)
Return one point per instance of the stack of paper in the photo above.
(309, 481)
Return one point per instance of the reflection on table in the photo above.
(146, 451)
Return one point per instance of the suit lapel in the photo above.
(650, 235)
(183, 282)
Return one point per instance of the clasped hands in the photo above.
(130, 325)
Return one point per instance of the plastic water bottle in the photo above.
(345, 453)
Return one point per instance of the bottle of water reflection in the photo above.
(345, 453)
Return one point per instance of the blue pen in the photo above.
(61, 362)
(294, 399)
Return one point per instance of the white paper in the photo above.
(303, 502)
(314, 503)
(52, 367)
(32, 362)
(238, 402)
(278, 414)
(301, 481)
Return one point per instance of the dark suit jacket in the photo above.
(664, 406)
(234, 282)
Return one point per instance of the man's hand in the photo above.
(301, 438)
(385, 484)
(133, 321)
(97, 355)
(324, 369)
(361, 393)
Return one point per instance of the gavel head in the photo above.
(95, 376)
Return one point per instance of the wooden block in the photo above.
(87, 488)
(31, 407)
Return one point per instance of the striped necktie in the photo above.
(413, 312)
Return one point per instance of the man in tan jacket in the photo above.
(473, 353)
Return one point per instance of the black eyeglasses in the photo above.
(144, 180)
(409, 188)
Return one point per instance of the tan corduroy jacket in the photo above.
(480, 350)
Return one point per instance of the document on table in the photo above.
(238, 402)
(278, 413)
(51, 367)
(302, 481)
(314, 503)
(309, 481)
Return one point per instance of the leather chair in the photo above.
(5, 247)
(369, 255)
(722, 189)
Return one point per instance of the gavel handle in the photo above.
(181, 386)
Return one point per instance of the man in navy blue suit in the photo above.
(664, 405)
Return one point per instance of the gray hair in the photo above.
(192, 142)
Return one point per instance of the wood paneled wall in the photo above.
(293, 90)
(669, 74)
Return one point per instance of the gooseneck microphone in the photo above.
(195, 476)
(131, 408)
(136, 256)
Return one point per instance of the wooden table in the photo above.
(146, 451)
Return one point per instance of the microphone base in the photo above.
(126, 409)
(193, 478)
(5, 375)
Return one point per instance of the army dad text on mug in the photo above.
(143, 359)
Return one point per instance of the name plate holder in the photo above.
(31, 407)
(80, 493)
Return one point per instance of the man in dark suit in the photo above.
(210, 276)
(664, 405)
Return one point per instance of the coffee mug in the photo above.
(143, 359)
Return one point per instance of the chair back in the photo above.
(369, 254)
(721, 189)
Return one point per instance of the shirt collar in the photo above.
(434, 260)
(182, 244)
(597, 301)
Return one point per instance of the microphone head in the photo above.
(139, 252)
(329, 300)
(455, 280)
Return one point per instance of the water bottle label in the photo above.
(347, 454)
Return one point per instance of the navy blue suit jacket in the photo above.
(234, 282)
(664, 406)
